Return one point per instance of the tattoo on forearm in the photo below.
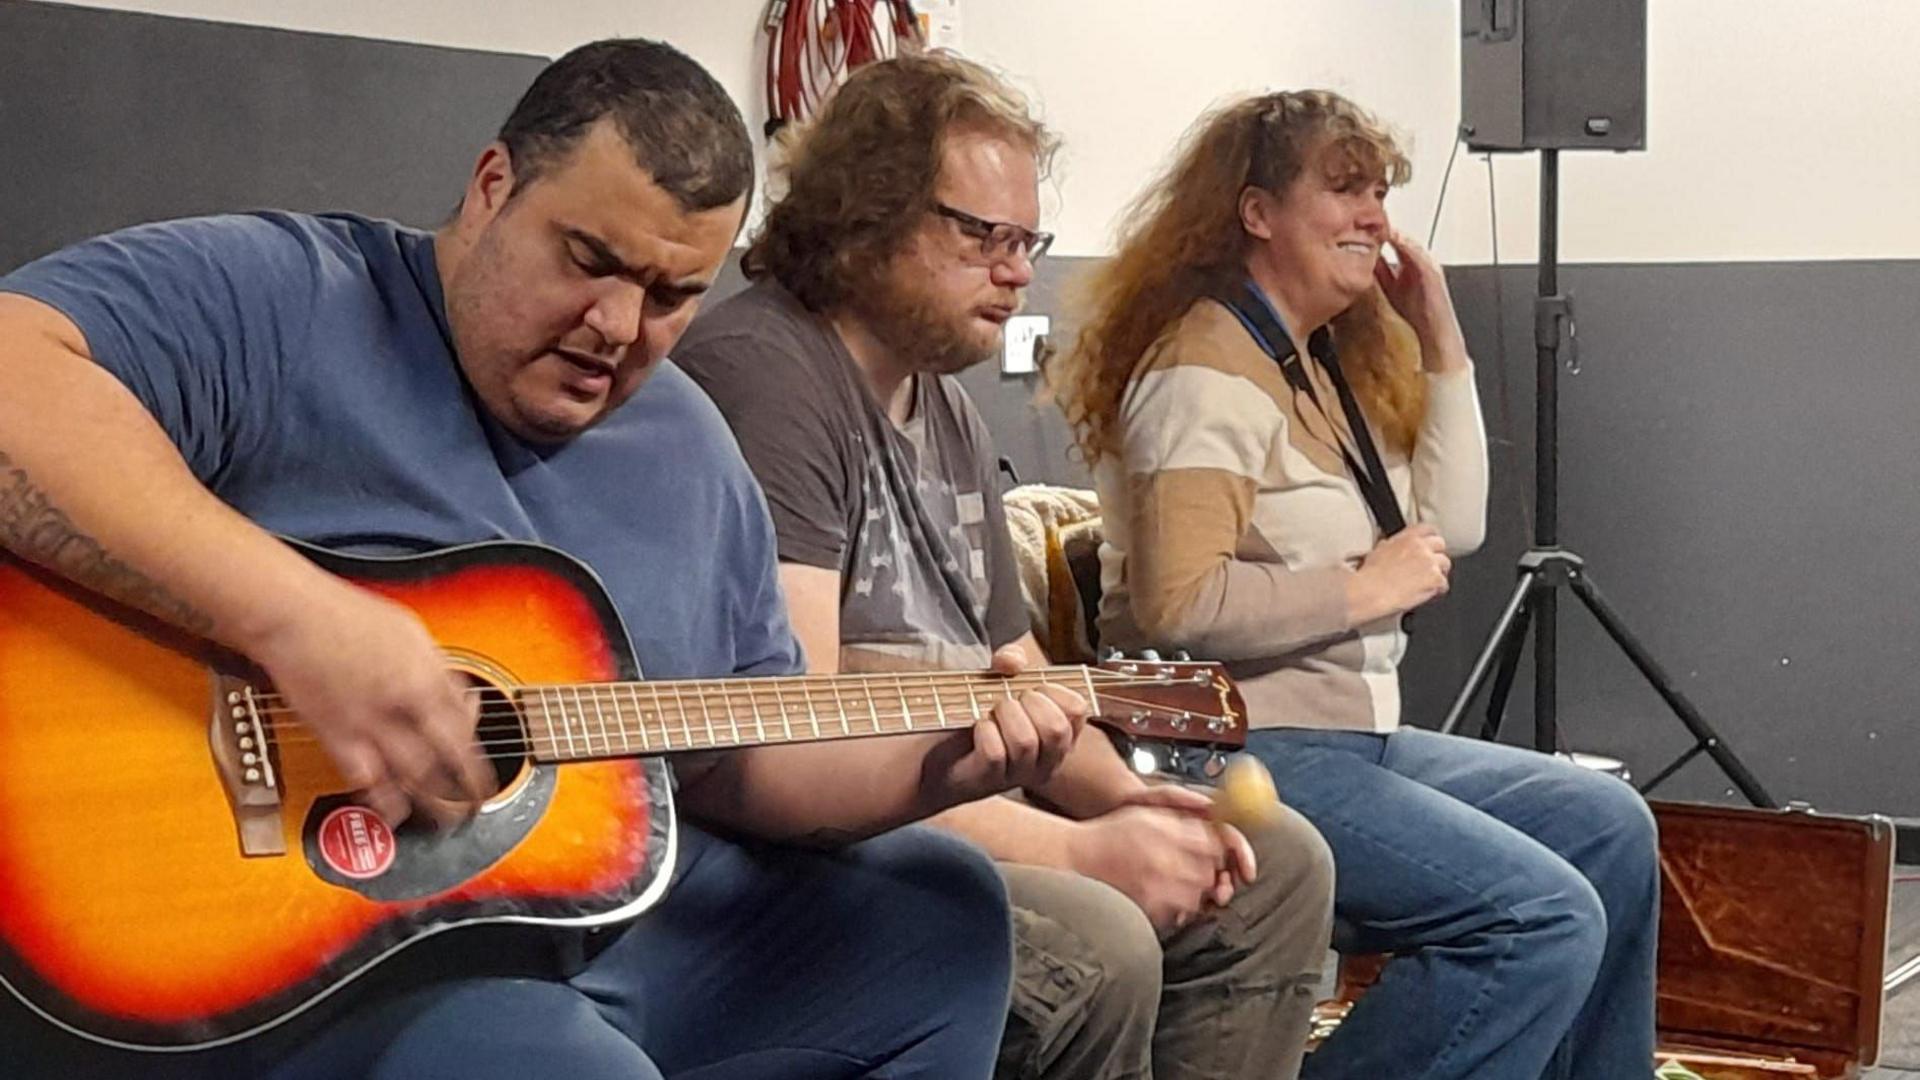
(35, 529)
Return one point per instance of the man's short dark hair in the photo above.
(683, 128)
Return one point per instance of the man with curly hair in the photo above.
(1149, 941)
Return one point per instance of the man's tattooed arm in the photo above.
(36, 530)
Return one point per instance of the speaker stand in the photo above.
(1546, 566)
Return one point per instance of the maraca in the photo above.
(1246, 798)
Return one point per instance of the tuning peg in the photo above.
(1108, 654)
(1151, 656)
(1182, 656)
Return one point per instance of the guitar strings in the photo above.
(773, 691)
(856, 719)
(1048, 676)
(726, 692)
(695, 735)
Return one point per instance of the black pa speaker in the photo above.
(1553, 74)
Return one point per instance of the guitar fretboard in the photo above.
(603, 720)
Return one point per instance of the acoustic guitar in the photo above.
(181, 866)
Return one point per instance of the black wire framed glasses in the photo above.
(998, 239)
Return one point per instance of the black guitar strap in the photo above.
(1251, 307)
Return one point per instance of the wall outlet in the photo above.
(939, 23)
(1020, 344)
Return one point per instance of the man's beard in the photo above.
(918, 333)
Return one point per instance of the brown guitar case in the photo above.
(1773, 940)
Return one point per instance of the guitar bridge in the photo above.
(242, 745)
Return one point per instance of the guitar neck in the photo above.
(585, 721)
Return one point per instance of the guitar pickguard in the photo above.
(424, 861)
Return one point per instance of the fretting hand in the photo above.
(1019, 744)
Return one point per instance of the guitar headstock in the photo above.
(1179, 701)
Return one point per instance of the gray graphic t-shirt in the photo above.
(908, 515)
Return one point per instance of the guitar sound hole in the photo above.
(502, 738)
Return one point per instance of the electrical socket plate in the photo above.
(1019, 344)
(939, 23)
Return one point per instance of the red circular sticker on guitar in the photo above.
(356, 843)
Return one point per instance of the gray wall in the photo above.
(1740, 467)
(109, 118)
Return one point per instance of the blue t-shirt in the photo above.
(304, 369)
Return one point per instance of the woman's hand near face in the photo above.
(1417, 289)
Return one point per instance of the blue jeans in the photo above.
(891, 958)
(1519, 896)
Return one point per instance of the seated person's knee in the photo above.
(1562, 933)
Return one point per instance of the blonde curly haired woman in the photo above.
(1288, 451)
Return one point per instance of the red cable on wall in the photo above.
(812, 45)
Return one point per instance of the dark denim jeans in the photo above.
(1519, 894)
(889, 959)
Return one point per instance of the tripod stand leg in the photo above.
(1509, 665)
(1546, 672)
(1501, 637)
(1704, 736)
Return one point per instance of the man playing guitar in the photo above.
(175, 395)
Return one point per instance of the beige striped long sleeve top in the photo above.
(1232, 523)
